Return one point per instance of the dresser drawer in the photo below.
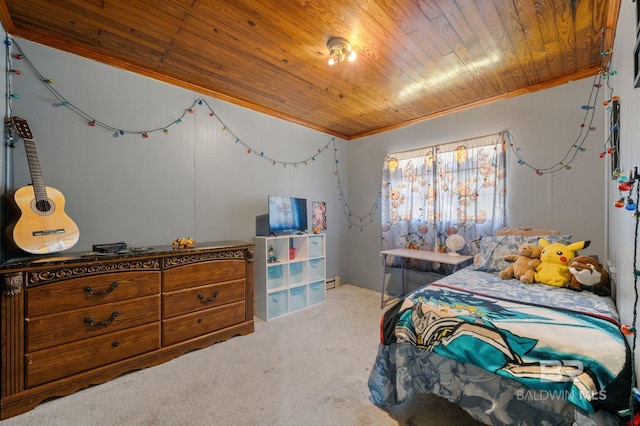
(52, 330)
(63, 361)
(185, 327)
(199, 274)
(199, 298)
(87, 291)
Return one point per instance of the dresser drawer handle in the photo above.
(90, 321)
(112, 287)
(210, 299)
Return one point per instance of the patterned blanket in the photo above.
(547, 339)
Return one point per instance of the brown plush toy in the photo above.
(524, 265)
(589, 274)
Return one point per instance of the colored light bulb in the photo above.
(630, 204)
(627, 329)
(625, 186)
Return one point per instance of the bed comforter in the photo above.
(556, 344)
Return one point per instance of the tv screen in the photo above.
(287, 214)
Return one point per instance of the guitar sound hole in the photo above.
(43, 206)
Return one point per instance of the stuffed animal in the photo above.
(554, 262)
(525, 263)
(589, 274)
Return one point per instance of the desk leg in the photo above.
(384, 278)
(403, 286)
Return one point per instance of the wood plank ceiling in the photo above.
(417, 59)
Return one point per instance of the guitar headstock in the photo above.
(22, 127)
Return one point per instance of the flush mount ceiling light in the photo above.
(339, 50)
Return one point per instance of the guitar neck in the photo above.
(36, 172)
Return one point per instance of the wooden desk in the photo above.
(431, 256)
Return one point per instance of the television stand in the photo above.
(289, 274)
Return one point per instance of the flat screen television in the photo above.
(287, 214)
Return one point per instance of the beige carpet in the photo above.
(307, 368)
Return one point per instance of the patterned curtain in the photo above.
(430, 193)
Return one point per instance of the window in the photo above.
(433, 192)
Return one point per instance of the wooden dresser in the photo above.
(69, 321)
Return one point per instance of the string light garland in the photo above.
(628, 184)
(61, 101)
(352, 218)
(586, 126)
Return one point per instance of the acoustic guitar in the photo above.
(42, 226)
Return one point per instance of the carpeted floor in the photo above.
(309, 367)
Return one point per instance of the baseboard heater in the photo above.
(332, 282)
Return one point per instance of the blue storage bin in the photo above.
(316, 269)
(316, 292)
(295, 273)
(315, 247)
(274, 277)
(298, 298)
(277, 304)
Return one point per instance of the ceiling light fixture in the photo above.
(340, 49)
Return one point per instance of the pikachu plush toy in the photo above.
(554, 262)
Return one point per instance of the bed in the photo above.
(506, 352)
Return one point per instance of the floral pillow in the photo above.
(494, 249)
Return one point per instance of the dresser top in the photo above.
(160, 251)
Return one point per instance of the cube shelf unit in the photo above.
(289, 274)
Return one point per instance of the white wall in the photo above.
(194, 182)
(545, 125)
(621, 225)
